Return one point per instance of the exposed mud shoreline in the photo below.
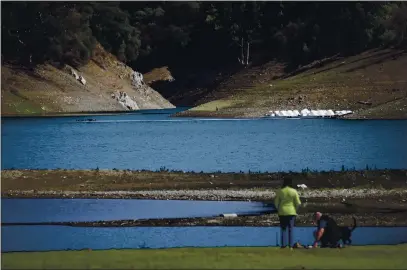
(127, 180)
(65, 114)
(214, 194)
(363, 220)
(252, 113)
(193, 114)
(368, 212)
(374, 197)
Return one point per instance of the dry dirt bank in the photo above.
(372, 84)
(46, 89)
(374, 197)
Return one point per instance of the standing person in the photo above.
(328, 232)
(287, 202)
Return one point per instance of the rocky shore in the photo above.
(213, 194)
(305, 219)
(386, 211)
(374, 198)
(141, 180)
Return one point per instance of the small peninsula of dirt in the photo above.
(374, 197)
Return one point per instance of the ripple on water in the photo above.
(42, 238)
(134, 141)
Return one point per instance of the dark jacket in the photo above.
(332, 233)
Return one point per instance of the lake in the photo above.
(44, 238)
(48, 237)
(66, 210)
(152, 139)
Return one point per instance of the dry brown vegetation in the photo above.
(376, 77)
(47, 89)
(157, 74)
(110, 180)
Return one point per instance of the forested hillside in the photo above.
(163, 33)
(201, 43)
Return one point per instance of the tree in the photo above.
(69, 34)
(48, 32)
(147, 34)
(393, 22)
(111, 27)
(241, 21)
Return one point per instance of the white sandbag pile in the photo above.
(306, 113)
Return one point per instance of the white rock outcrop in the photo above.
(74, 74)
(125, 100)
(137, 79)
(77, 77)
(82, 80)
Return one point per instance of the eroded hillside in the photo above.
(372, 84)
(109, 86)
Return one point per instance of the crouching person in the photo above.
(328, 232)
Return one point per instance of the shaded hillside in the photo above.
(201, 43)
(373, 84)
(47, 89)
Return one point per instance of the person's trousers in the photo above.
(287, 226)
(328, 240)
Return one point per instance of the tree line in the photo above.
(148, 34)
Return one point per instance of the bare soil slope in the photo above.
(47, 89)
(373, 84)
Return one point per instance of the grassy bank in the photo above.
(369, 257)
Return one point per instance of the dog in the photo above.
(346, 233)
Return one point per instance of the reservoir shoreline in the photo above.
(374, 197)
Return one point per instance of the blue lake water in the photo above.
(150, 141)
(65, 210)
(44, 238)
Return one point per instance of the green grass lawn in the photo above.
(369, 257)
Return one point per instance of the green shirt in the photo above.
(287, 201)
